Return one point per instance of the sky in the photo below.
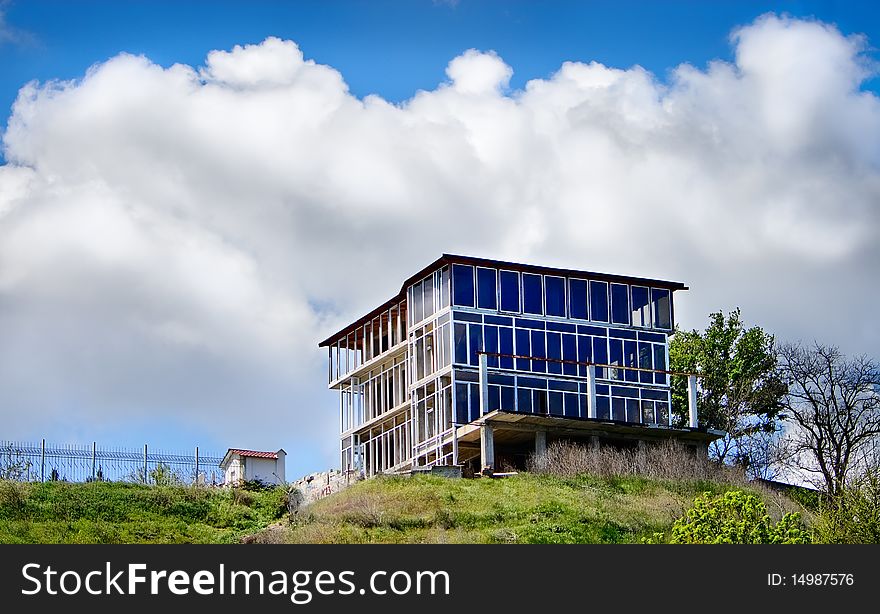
(192, 195)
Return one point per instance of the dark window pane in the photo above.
(418, 302)
(641, 310)
(554, 350)
(620, 303)
(645, 362)
(428, 286)
(508, 398)
(662, 409)
(494, 398)
(523, 348)
(444, 287)
(539, 401)
(474, 401)
(505, 338)
(603, 408)
(461, 403)
(598, 301)
(662, 308)
(660, 363)
(491, 344)
(585, 353)
(486, 290)
(462, 285)
(630, 358)
(556, 407)
(475, 336)
(555, 295)
(648, 412)
(577, 298)
(569, 352)
(618, 409)
(600, 355)
(538, 351)
(509, 291)
(460, 341)
(615, 357)
(571, 405)
(633, 413)
(524, 400)
(532, 293)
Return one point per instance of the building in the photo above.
(481, 361)
(246, 465)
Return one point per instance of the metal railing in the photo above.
(42, 461)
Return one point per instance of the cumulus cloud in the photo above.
(175, 241)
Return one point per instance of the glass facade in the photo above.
(409, 376)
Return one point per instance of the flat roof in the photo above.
(499, 264)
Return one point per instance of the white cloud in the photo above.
(174, 242)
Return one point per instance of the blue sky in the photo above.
(394, 48)
(174, 243)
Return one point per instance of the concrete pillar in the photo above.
(591, 391)
(540, 443)
(487, 448)
(484, 385)
(692, 400)
(594, 442)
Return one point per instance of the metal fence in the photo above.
(42, 461)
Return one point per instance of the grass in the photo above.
(526, 508)
(104, 513)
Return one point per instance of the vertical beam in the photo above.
(484, 385)
(43, 461)
(145, 464)
(487, 448)
(94, 455)
(591, 391)
(692, 400)
(540, 443)
(197, 464)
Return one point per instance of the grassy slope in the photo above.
(520, 509)
(101, 512)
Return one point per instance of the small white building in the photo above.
(244, 465)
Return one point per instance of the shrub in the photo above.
(853, 517)
(735, 517)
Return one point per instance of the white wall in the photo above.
(264, 469)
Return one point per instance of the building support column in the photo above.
(591, 391)
(484, 384)
(487, 449)
(540, 443)
(594, 442)
(692, 400)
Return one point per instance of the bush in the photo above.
(853, 517)
(735, 517)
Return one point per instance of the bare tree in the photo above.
(834, 406)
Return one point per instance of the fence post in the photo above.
(94, 455)
(43, 461)
(692, 401)
(197, 465)
(145, 464)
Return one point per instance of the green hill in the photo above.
(524, 508)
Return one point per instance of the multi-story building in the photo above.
(478, 360)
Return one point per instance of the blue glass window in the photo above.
(615, 357)
(618, 409)
(641, 309)
(539, 401)
(645, 358)
(633, 411)
(508, 398)
(630, 357)
(523, 348)
(494, 398)
(554, 288)
(662, 308)
(554, 350)
(569, 352)
(620, 303)
(598, 301)
(491, 344)
(538, 351)
(417, 307)
(600, 355)
(474, 404)
(532, 299)
(556, 404)
(509, 290)
(648, 412)
(603, 408)
(571, 405)
(505, 344)
(487, 297)
(475, 337)
(660, 363)
(461, 404)
(460, 342)
(577, 298)
(462, 285)
(524, 400)
(585, 353)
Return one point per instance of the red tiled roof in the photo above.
(253, 453)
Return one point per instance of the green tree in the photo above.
(739, 391)
(736, 517)
(853, 516)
